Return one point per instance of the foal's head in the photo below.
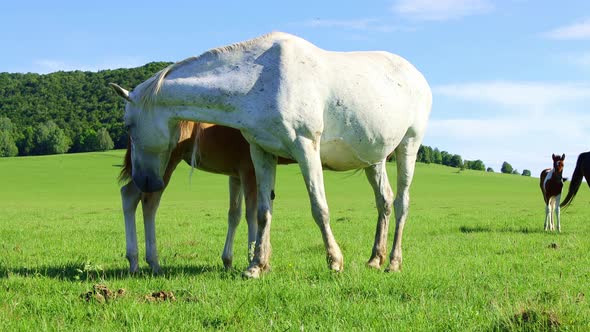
(558, 163)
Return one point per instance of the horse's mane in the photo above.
(149, 89)
(189, 133)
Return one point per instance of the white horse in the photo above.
(289, 98)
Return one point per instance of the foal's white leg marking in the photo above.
(150, 203)
(405, 155)
(547, 215)
(130, 196)
(265, 165)
(234, 215)
(557, 212)
(249, 191)
(307, 155)
(551, 211)
(377, 176)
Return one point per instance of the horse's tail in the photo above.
(575, 182)
(125, 174)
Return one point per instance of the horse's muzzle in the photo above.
(148, 184)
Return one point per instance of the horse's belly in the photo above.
(340, 155)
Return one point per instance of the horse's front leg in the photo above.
(265, 165)
(377, 176)
(130, 196)
(558, 213)
(547, 216)
(307, 155)
(234, 215)
(150, 203)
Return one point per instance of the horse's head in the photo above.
(153, 137)
(558, 162)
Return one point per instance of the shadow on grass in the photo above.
(483, 229)
(76, 271)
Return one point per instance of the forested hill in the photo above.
(65, 111)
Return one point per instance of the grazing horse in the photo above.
(551, 181)
(291, 99)
(219, 150)
(582, 170)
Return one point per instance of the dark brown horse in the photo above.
(551, 181)
(581, 171)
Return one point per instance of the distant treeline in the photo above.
(428, 155)
(77, 112)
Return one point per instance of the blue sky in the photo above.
(510, 78)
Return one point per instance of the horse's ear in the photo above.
(120, 91)
(563, 156)
(552, 155)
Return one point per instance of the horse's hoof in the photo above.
(156, 269)
(251, 273)
(335, 264)
(374, 263)
(394, 266)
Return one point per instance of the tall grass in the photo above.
(475, 255)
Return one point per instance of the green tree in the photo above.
(456, 161)
(436, 156)
(490, 170)
(424, 154)
(526, 172)
(477, 165)
(104, 141)
(506, 168)
(7, 146)
(50, 139)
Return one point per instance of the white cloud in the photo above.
(575, 31)
(440, 10)
(365, 24)
(516, 94)
(535, 120)
(44, 66)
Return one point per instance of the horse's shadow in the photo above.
(486, 229)
(75, 271)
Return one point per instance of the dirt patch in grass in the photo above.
(160, 296)
(530, 320)
(102, 294)
(553, 245)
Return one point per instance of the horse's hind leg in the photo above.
(377, 176)
(130, 196)
(234, 215)
(150, 203)
(405, 155)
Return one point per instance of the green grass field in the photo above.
(475, 255)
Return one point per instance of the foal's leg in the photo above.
(130, 196)
(377, 176)
(557, 212)
(551, 211)
(249, 188)
(405, 155)
(547, 215)
(150, 203)
(265, 165)
(308, 157)
(233, 220)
